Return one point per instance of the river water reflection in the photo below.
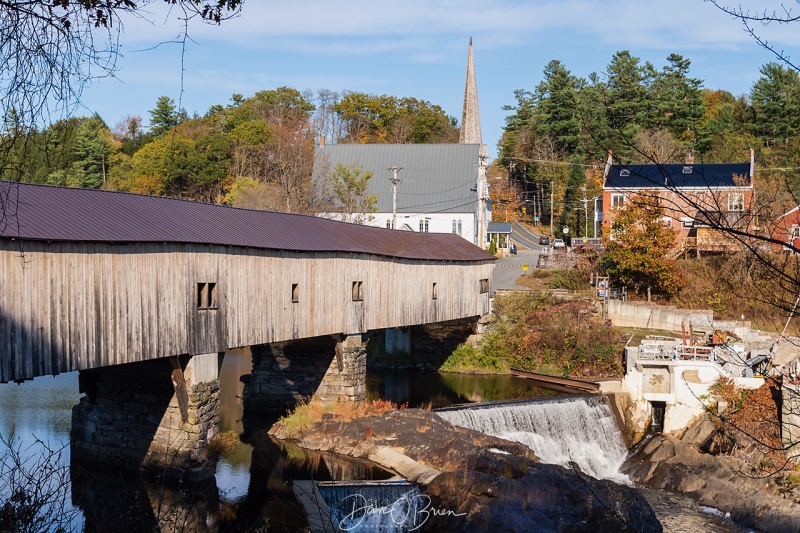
(252, 489)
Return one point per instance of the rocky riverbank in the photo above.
(482, 483)
(725, 483)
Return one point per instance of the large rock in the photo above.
(725, 483)
(701, 431)
(490, 483)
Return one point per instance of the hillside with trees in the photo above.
(254, 152)
(557, 135)
(258, 151)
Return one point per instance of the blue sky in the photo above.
(419, 49)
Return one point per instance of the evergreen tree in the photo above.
(555, 103)
(677, 100)
(92, 149)
(164, 116)
(776, 104)
(625, 91)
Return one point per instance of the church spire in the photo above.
(470, 117)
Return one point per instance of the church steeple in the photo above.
(470, 117)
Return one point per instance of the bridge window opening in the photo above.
(295, 292)
(206, 295)
(455, 226)
(459, 226)
(389, 223)
(358, 291)
(484, 285)
(434, 293)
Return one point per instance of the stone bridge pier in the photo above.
(285, 373)
(156, 416)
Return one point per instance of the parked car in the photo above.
(559, 243)
(544, 240)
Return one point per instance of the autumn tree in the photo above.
(349, 184)
(273, 139)
(366, 118)
(49, 51)
(637, 249)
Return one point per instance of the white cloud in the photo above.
(429, 30)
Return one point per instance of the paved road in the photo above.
(523, 237)
(508, 269)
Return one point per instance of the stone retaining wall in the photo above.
(557, 261)
(651, 316)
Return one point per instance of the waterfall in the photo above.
(580, 429)
(388, 507)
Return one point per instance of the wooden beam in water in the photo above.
(558, 383)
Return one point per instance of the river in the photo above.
(252, 488)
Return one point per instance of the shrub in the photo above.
(533, 332)
(223, 443)
(312, 411)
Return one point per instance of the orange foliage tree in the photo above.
(637, 249)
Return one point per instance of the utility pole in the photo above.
(585, 213)
(482, 201)
(551, 209)
(395, 180)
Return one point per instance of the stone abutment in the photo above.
(285, 373)
(131, 417)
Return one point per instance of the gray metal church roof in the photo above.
(437, 178)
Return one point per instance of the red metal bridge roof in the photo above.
(42, 212)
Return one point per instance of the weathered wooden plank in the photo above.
(88, 305)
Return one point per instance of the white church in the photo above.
(433, 188)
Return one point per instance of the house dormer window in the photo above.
(687, 169)
(624, 172)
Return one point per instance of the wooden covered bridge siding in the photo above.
(68, 306)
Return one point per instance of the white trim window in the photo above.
(617, 200)
(736, 201)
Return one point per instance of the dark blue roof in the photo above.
(697, 176)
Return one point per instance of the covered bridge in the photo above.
(93, 278)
